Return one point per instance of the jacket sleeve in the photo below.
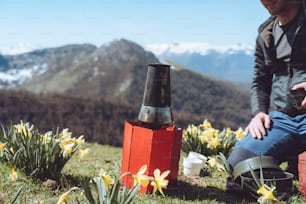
(262, 81)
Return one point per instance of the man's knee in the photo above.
(239, 154)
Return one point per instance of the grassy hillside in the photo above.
(208, 189)
(103, 121)
(98, 120)
(215, 100)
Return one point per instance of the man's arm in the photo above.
(262, 82)
(260, 95)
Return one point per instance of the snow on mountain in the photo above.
(201, 48)
(14, 77)
(230, 62)
(17, 49)
(19, 68)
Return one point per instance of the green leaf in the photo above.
(258, 183)
(87, 191)
(114, 191)
(17, 195)
(132, 194)
(101, 189)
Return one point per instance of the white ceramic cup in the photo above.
(192, 166)
(197, 155)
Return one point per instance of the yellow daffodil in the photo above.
(65, 134)
(212, 161)
(45, 139)
(12, 151)
(192, 130)
(140, 178)
(20, 127)
(84, 153)
(66, 141)
(67, 148)
(267, 193)
(213, 143)
(80, 140)
(262, 190)
(269, 196)
(239, 134)
(107, 180)
(83, 193)
(203, 139)
(13, 175)
(159, 182)
(208, 140)
(210, 133)
(65, 196)
(220, 167)
(228, 132)
(24, 129)
(29, 134)
(206, 124)
(2, 146)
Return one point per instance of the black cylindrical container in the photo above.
(156, 106)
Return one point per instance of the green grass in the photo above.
(205, 189)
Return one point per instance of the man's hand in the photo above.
(301, 86)
(258, 125)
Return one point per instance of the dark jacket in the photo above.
(275, 78)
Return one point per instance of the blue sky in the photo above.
(51, 23)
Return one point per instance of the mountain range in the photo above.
(232, 63)
(116, 72)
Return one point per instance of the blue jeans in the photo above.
(286, 137)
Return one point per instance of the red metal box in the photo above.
(155, 148)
